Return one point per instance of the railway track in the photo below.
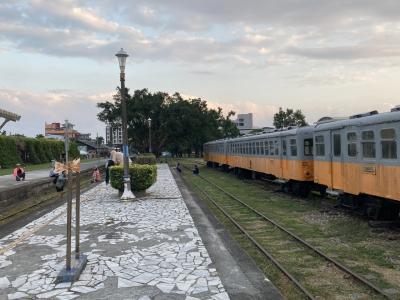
(254, 224)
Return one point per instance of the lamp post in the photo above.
(149, 119)
(122, 55)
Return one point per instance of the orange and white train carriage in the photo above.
(355, 158)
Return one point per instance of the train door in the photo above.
(336, 158)
(280, 157)
(350, 165)
(284, 158)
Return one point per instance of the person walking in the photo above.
(19, 173)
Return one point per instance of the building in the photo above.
(57, 130)
(113, 135)
(244, 123)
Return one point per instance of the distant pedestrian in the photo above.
(196, 170)
(19, 173)
(96, 177)
(178, 168)
(61, 180)
(109, 163)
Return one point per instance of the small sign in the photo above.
(369, 169)
(126, 151)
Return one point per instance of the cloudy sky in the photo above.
(325, 57)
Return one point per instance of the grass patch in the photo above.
(347, 238)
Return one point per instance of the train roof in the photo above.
(387, 117)
(292, 131)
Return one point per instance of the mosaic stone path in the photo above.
(146, 249)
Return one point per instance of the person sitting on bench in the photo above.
(19, 173)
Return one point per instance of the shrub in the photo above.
(8, 152)
(142, 176)
(73, 150)
(145, 159)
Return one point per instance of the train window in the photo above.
(276, 147)
(262, 148)
(266, 148)
(352, 144)
(388, 143)
(253, 148)
(308, 147)
(271, 148)
(368, 144)
(284, 147)
(258, 148)
(337, 145)
(319, 145)
(293, 147)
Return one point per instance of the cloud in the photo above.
(263, 114)
(36, 108)
(346, 53)
(258, 33)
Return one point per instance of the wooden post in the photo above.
(78, 212)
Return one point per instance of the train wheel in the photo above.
(300, 189)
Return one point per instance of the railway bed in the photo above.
(251, 222)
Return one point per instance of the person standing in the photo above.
(96, 177)
(109, 163)
(19, 173)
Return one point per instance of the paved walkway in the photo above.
(7, 181)
(147, 249)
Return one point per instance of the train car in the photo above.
(358, 159)
(286, 155)
(215, 152)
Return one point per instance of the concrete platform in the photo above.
(146, 249)
(242, 279)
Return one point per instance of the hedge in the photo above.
(145, 159)
(19, 149)
(142, 176)
(8, 152)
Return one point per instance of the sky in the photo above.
(326, 57)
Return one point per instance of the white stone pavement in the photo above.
(146, 249)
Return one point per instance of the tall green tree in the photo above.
(177, 125)
(289, 118)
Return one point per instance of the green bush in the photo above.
(17, 149)
(142, 176)
(145, 159)
(73, 150)
(8, 152)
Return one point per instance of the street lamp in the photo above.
(149, 119)
(122, 55)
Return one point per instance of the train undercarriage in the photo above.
(372, 207)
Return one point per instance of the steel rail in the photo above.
(296, 237)
(261, 248)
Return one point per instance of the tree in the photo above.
(289, 118)
(229, 128)
(99, 140)
(39, 136)
(178, 125)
